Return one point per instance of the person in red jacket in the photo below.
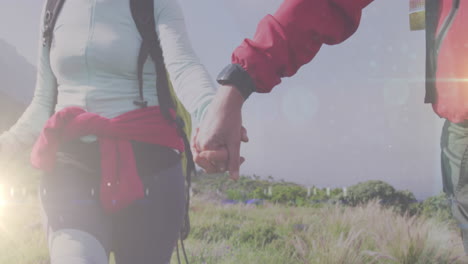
(292, 37)
(282, 44)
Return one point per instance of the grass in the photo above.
(333, 234)
(225, 234)
(22, 239)
(266, 234)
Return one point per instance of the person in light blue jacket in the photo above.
(92, 63)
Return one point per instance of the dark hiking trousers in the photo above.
(80, 232)
(454, 145)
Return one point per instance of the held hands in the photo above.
(216, 143)
(216, 161)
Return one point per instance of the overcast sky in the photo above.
(355, 113)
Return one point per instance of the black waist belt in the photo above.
(150, 159)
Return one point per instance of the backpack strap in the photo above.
(434, 40)
(53, 8)
(143, 15)
(432, 19)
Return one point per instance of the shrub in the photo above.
(404, 202)
(235, 194)
(362, 193)
(320, 196)
(257, 235)
(288, 193)
(214, 232)
(437, 207)
(258, 193)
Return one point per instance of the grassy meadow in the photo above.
(273, 234)
(270, 233)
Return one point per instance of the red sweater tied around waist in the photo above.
(120, 182)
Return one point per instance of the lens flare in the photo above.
(2, 197)
(3, 204)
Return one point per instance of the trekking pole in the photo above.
(178, 254)
(183, 250)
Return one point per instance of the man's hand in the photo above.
(216, 144)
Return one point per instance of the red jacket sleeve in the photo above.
(293, 35)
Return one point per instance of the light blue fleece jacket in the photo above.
(93, 64)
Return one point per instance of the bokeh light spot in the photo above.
(396, 93)
(300, 105)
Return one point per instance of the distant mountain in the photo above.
(17, 80)
(17, 75)
(10, 111)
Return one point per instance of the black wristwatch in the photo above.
(234, 74)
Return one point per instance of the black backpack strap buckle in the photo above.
(141, 103)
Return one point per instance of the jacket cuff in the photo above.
(235, 75)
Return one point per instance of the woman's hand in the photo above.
(216, 144)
